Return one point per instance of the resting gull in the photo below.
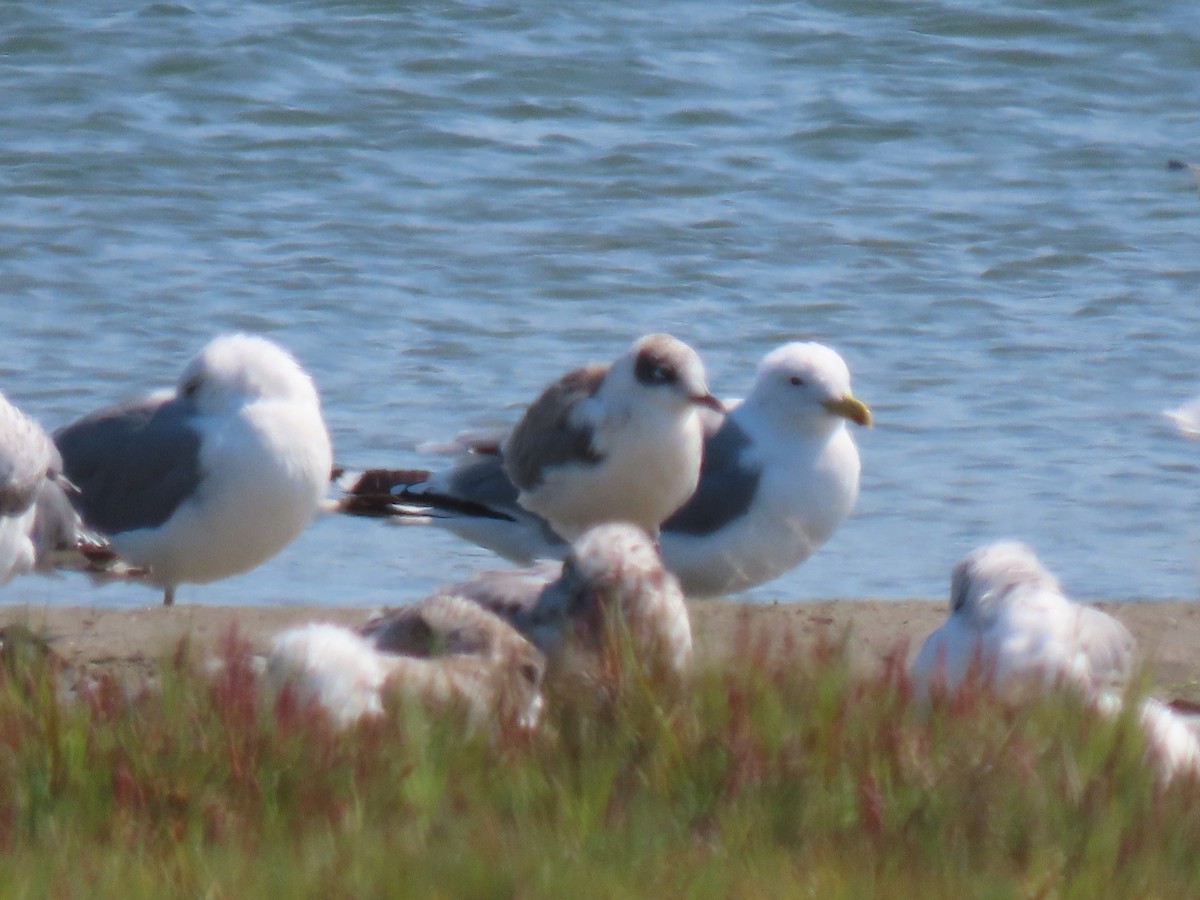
(780, 474)
(211, 479)
(1010, 623)
(1011, 628)
(611, 583)
(36, 518)
(441, 650)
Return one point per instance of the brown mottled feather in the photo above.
(545, 436)
(439, 625)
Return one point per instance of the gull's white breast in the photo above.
(266, 468)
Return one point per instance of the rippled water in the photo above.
(439, 207)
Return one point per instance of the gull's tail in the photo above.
(475, 500)
(92, 554)
(406, 494)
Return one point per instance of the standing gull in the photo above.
(613, 443)
(780, 474)
(36, 517)
(209, 480)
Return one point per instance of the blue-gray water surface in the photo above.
(441, 206)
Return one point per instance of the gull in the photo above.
(1186, 418)
(36, 518)
(1011, 624)
(1178, 165)
(1171, 741)
(613, 443)
(611, 586)
(780, 474)
(1011, 627)
(208, 480)
(441, 650)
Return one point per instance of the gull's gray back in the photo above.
(134, 463)
(482, 479)
(728, 482)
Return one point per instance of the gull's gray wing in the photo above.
(728, 482)
(546, 436)
(134, 463)
(482, 479)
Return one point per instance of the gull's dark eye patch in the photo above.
(797, 381)
(192, 385)
(531, 673)
(653, 369)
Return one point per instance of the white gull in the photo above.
(1011, 624)
(36, 518)
(211, 479)
(1011, 629)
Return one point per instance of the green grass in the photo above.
(791, 776)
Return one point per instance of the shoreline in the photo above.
(130, 641)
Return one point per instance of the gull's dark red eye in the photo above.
(797, 380)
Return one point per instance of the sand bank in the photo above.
(132, 640)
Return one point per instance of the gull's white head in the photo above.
(985, 577)
(665, 371)
(808, 386)
(237, 368)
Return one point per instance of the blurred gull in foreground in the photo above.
(611, 585)
(1009, 621)
(211, 479)
(780, 474)
(443, 650)
(481, 643)
(610, 597)
(1011, 628)
(36, 518)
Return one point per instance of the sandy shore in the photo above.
(131, 640)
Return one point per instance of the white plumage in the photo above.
(1012, 629)
(1010, 622)
(332, 666)
(35, 516)
(1171, 742)
(212, 479)
(441, 650)
(617, 443)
